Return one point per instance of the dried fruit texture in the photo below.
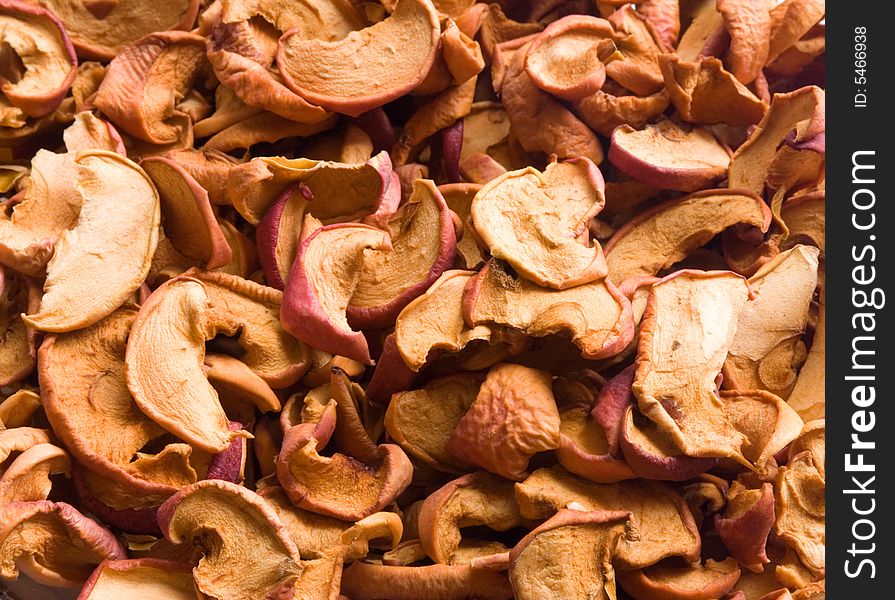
(808, 397)
(537, 222)
(766, 351)
(666, 156)
(639, 70)
(422, 421)
(687, 330)
(696, 582)
(18, 295)
(474, 500)
(790, 20)
(369, 581)
(584, 447)
(92, 272)
(326, 273)
(159, 578)
(18, 408)
(27, 478)
(662, 521)
(513, 417)
(231, 525)
(746, 523)
(540, 568)
(664, 18)
(459, 198)
(604, 111)
(800, 506)
(423, 246)
(102, 30)
(767, 421)
(42, 60)
(596, 315)
(705, 93)
(568, 58)
(663, 235)
(812, 438)
(52, 543)
(320, 71)
(749, 27)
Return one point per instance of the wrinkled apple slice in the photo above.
(114, 579)
(767, 421)
(423, 247)
(18, 408)
(89, 275)
(813, 439)
(458, 197)
(17, 342)
(326, 273)
(765, 352)
(537, 222)
(749, 26)
(660, 237)
(704, 92)
(664, 18)
(651, 452)
(790, 20)
(52, 543)
(804, 217)
(665, 156)
(567, 59)
(422, 421)
(687, 329)
(144, 82)
(746, 523)
(801, 509)
(697, 582)
(513, 417)
(477, 499)
(318, 483)
(334, 190)
(103, 35)
(314, 535)
(484, 128)
(610, 405)
(188, 217)
(541, 568)
(321, 71)
(37, 44)
(278, 234)
(584, 448)
(370, 581)
(639, 70)
(231, 525)
(658, 514)
(596, 314)
(808, 397)
(434, 321)
(27, 478)
(604, 111)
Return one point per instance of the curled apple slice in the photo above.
(661, 236)
(89, 276)
(326, 273)
(584, 447)
(322, 71)
(52, 543)
(144, 81)
(696, 582)
(639, 70)
(27, 478)
(539, 568)
(18, 408)
(370, 581)
(422, 248)
(537, 222)
(799, 494)
(688, 327)
(18, 354)
(749, 26)
(596, 315)
(651, 452)
(477, 499)
(458, 197)
(790, 20)
(813, 438)
(224, 521)
(604, 111)
(36, 40)
(746, 523)
(155, 577)
(665, 156)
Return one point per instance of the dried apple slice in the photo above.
(567, 59)
(422, 421)
(808, 397)
(18, 408)
(801, 509)
(604, 111)
(41, 57)
(513, 417)
(584, 447)
(596, 315)
(17, 341)
(651, 452)
(746, 523)
(113, 579)
(687, 329)
(189, 219)
(666, 156)
(326, 273)
(88, 257)
(813, 439)
(458, 197)
(660, 237)
(224, 521)
(52, 543)
(278, 234)
(27, 478)
(697, 582)
(664, 18)
(319, 70)
(486, 126)
(314, 535)
(767, 421)
(422, 248)
(537, 222)
(369, 581)
(749, 26)
(434, 321)
(790, 20)
(477, 499)
(144, 82)
(541, 568)
(20, 439)
(639, 71)
(766, 349)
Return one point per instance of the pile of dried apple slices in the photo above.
(413, 299)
